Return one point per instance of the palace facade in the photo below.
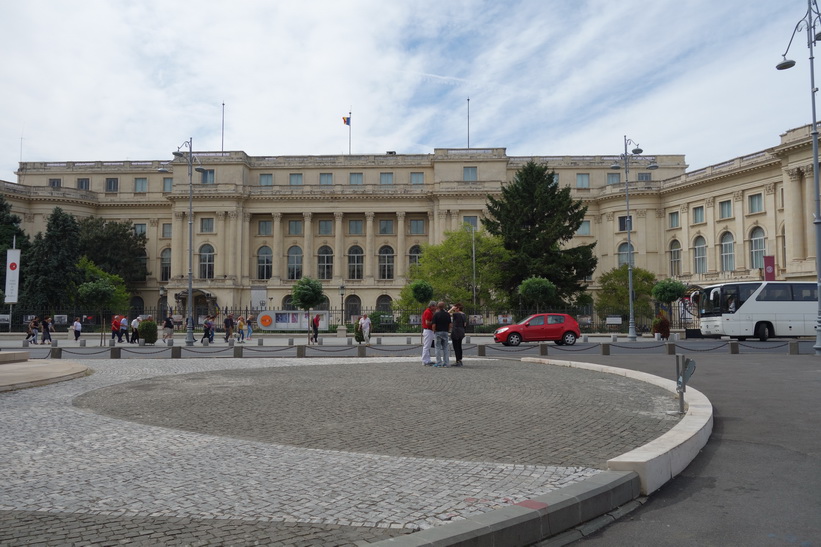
(359, 221)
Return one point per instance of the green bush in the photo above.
(148, 331)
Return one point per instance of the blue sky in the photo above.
(112, 79)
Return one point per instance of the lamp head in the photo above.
(163, 170)
(637, 151)
(615, 166)
(785, 63)
(178, 154)
(652, 166)
(199, 170)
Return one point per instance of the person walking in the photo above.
(115, 329)
(70, 331)
(315, 328)
(48, 328)
(168, 328)
(33, 330)
(135, 330)
(207, 330)
(241, 329)
(427, 333)
(124, 329)
(78, 328)
(229, 326)
(441, 329)
(457, 331)
(249, 327)
(365, 327)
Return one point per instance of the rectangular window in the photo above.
(295, 179)
(725, 209)
(140, 185)
(673, 221)
(584, 228)
(756, 203)
(326, 227)
(166, 229)
(83, 184)
(472, 220)
(265, 227)
(385, 178)
(266, 179)
(208, 176)
(355, 227)
(168, 184)
(470, 174)
(55, 183)
(582, 180)
(139, 229)
(698, 214)
(417, 226)
(417, 178)
(613, 178)
(645, 177)
(112, 184)
(207, 225)
(385, 227)
(355, 178)
(624, 223)
(326, 179)
(295, 227)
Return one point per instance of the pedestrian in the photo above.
(70, 331)
(168, 328)
(124, 329)
(207, 327)
(365, 327)
(241, 329)
(115, 329)
(48, 328)
(135, 330)
(441, 329)
(34, 329)
(249, 327)
(427, 333)
(229, 326)
(457, 331)
(315, 326)
(78, 328)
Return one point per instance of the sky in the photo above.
(109, 80)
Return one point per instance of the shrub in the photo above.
(148, 331)
(661, 325)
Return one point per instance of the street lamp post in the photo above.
(810, 20)
(636, 152)
(342, 305)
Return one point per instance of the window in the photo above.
(675, 258)
(326, 179)
(469, 174)
(699, 255)
(584, 228)
(139, 229)
(83, 184)
(355, 178)
(265, 263)
(265, 228)
(471, 220)
(413, 255)
(645, 177)
(295, 179)
(698, 214)
(383, 304)
(727, 252)
(624, 254)
(140, 185)
(756, 203)
(326, 227)
(356, 261)
(625, 223)
(288, 303)
(385, 178)
(165, 265)
(55, 183)
(613, 178)
(672, 219)
(417, 226)
(166, 229)
(206, 262)
(206, 225)
(266, 179)
(385, 227)
(355, 227)
(168, 184)
(325, 263)
(295, 227)
(757, 246)
(112, 184)
(386, 262)
(207, 176)
(725, 209)
(294, 263)
(417, 178)
(582, 180)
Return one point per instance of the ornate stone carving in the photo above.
(738, 196)
(770, 188)
(709, 202)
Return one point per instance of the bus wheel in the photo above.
(762, 331)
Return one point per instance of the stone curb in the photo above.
(40, 373)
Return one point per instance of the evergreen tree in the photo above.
(9, 231)
(114, 247)
(535, 219)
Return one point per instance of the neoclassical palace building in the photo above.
(359, 221)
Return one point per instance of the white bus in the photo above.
(761, 309)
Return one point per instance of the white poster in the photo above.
(12, 275)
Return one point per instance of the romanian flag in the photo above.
(346, 120)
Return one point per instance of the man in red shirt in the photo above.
(427, 333)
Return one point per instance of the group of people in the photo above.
(35, 326)
(244, 328)
(437, 325)
(120, 326)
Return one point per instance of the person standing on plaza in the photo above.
(457, 331)
(229, 326)
(365, 327)
(249, 327)
(168, 327)
(135, 330)
(77, 328)
(441, 329)
(427, 333)
(315, 328)
(124, 329)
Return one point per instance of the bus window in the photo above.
(805, 292)
(775, 293)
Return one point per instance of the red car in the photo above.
(558, 327)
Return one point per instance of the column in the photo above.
(308, 246)
(276, 250)
(400, 259)
(221, 266)
(685, 240)
(179, 246)
(807, 215)
(793, 198)
(739, 232)
(454, 220)
(339, 251)
(243, 250)
(370, 260)
(713, 243)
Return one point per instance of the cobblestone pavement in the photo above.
(301, 452)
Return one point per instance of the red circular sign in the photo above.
(13, 266)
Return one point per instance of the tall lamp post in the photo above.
(625, 158)
(342, 305)
(809, 21)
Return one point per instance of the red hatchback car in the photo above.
(558, 327)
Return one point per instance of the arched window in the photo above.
(165, 265)
(624, 254)
(206, 262)
(137, 306)
(325, 263)
(699, 255)
(758, 243)
(288, 303)
(325, 305)
(356, 261)
(386, 259)
(353, 306)
(413, 255)
(383, 303)
(727, 252)
(294, 263)
(675, 258)
(265, 263)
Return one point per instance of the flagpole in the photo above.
(222, 149)
(349, 132)
(468, 122)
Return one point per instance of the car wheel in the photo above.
(514, 339)
(569, 338)
(762, 331)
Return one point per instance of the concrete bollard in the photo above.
(230, 342)
(25, 343)
(300, 351)
(238, 352)
(379, 341)
(360, 350)
(141, 342)
(205, 343)
(169, 342)
(350, 341)
(56, 353)
(116, 353)
(657, 336)
(54, 343)
(480, 350)
(793, 348)
(111, 343)
(408, 341)
(82, 343)
(176, 352)
(542, 349)
(584, 338)
(671, 348)
(259, 341)
(605, 348)
(733, 347)
(319, 341)
(290, 341)
(614, 338)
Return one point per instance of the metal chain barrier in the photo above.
(573, 348)
(638, 346)
(252, 349)
(724, 345)
(323, 350)
(520, 348)
(768, 347)
(140, 352)
(86, 352)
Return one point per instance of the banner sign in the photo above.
(12, 275)
(769, 268)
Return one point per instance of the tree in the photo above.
(613, 299)
(114, 247)
(100, 291)
(669, 290)
(10, 231)
(306, 294)
(535, 219)
(538, 293)
(421, 290)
